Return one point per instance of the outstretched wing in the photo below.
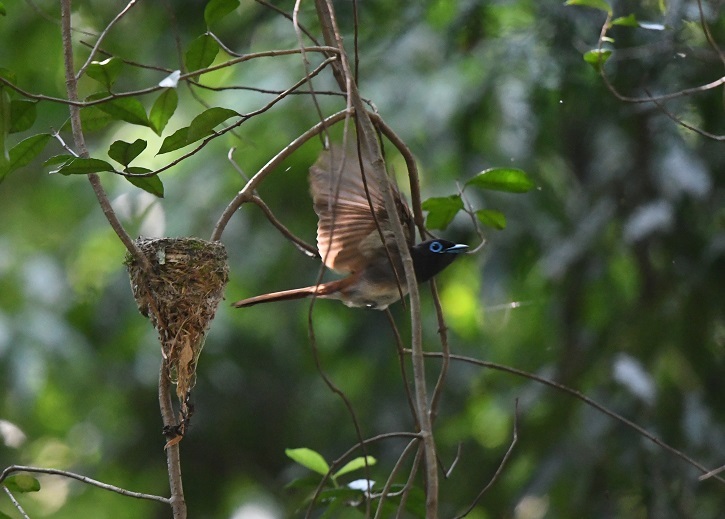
(347, 236)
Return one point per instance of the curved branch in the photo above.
(245, 195)
(83, 479)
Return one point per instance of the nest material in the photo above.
(180, 297)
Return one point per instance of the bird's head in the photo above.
(432, 256)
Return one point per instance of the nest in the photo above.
(180, 297)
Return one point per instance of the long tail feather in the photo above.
(324, 290)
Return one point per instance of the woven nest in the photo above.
(181, 297)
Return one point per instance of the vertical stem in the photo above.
(173, 454)
(368, 142)
(71, 85)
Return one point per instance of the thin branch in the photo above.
(156, 88)
(173, 456)
(79, 139)
(83, 479)
(445, 352)
(101, 36)
(290, 18)
(501, 465)
(247, 192)
(403, 371)
(385, 492)
(305, 247)
(15, 502)
(580, 396)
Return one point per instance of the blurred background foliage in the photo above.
(609, 278)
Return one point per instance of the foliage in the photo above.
(607, 277)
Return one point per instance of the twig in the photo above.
(580, 396)
(83, 479)
(385, 492)
(501, 465)
(173, 457)
(246, 193)
(401, 360)
(79, 139)
(101, 36)
(305, 247)
(445, 352)
(15, 502)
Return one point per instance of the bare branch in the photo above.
(173, 456)
(83, 479)
(101, 36)
(79, 139)
(15, 502)
(580, 396)
(246, 193)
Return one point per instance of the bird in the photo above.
(349, 237)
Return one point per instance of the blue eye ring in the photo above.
(435, 246)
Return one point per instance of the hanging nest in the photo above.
(180, 297)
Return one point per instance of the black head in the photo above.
(432, 256)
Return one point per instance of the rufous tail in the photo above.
(323, 290)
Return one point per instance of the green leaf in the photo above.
(3, 12)
(595, 4)
(105, 72)
(24, 152)
(22, 483)
(510, 180)
(597, 58)
(217, 9)
(126, 109)
(150, 184)
(309, 459)
(124, 152)
(356, 464)
(491, 218)
(8, 75)
(627, 21)
(93, 119)
(205, 122)
(162, 110)
(57, 160)
(83, 166)
(176, 140)
(441, 210)
(201, 53)
(22, 115)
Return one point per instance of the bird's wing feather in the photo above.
(345, 218)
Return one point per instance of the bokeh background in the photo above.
(609, 277)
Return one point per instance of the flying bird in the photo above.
(349, 239)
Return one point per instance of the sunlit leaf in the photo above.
(176, 140)
(217, 9)
(22, 115)
(511, 180)
(150, 184)
(627, 21)
(309, 459)
(650, 26)
(597, 57)
(491, 218)
(24, 152)
(441, 210)
(201, 53)
(105, 72)
(22, 483)
(57, 160)
(205, 122)
(124, 152)
(126, 109)
(162, 110)
(595, 4)
(83, 166)
(356, 464)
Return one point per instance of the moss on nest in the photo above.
(180, 296)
